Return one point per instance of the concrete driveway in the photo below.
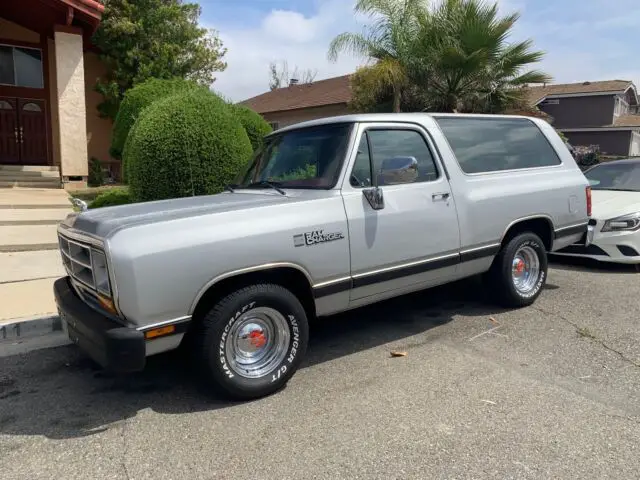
(550, 391)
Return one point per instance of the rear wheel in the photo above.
(253, 340)
(519, 272)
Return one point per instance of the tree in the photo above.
(279, 75)
(142, 39)
(387, 44)
(464, 62)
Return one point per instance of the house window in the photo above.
(274, 125)
(21, 67)
(621, 107)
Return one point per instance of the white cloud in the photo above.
(290, 26)
(285, 35)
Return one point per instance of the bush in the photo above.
(183, 145)
(112, 197)
(135, 100)
(96, 176)
(255, 126)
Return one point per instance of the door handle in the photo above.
(15, 134)
(440, 197)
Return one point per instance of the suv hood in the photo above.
(103, 222)
(609, 204)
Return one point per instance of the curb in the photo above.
(19, 328)
(24, 335)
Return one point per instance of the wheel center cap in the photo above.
(252, 338)
(518, 267)
(257, 338)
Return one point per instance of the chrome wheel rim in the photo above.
(257, 342)
(525, 269)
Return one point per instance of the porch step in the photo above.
(25, 238)
(49, 183)
(27, 174)
(29, 168)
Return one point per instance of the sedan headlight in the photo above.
(100, 273)
(625, 223)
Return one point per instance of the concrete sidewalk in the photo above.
(29, 259)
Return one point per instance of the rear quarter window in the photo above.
(484, 145)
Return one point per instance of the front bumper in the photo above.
(116, 348)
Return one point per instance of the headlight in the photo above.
(100, 273)
(626, 223)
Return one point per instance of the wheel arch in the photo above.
(288, 275)
(541, 225)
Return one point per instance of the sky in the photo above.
(582, 39)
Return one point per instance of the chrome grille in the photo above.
(76, 258)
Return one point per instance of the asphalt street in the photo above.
(550, 391)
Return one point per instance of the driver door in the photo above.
(414, 241)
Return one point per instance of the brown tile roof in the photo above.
(316, 94)
(627, 121)
(536, 93)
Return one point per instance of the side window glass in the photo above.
(361, 173)
(399, 156)
(491, 145)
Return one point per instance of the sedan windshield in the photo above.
(615, 176)
(305, 158)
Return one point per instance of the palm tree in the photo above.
(387, 43)
(463, 61)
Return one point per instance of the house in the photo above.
(48, 68)
(605, 113)
(593, 113)
(300, 102)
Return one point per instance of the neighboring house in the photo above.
(600, 113)
(300, 102)
(594, 113)
(48, 69)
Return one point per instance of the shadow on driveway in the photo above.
(59, 393)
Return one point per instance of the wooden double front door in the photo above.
(23, 132)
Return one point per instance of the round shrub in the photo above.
(112, 197)
(255, 126)
(183, 145)
(136, 99)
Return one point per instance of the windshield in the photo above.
(306, 158)
(615, 176)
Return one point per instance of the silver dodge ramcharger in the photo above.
(329, 215)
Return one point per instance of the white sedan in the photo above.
(614, 228)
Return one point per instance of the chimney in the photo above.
(293, 81)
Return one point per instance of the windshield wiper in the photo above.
(264, 183)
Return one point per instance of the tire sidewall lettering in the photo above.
(293, 347)
(543, 274)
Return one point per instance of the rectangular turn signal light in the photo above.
(159, 332)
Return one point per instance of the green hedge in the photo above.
(255, 126)
(135, 100)
(183, 145)
(112, 197)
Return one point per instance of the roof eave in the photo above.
(262, 112)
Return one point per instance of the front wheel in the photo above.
(253, 340)
(519, 272)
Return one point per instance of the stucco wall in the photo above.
(11, 31)
(290, 117)
(98, 129)
(72, 117)
(53, 104)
